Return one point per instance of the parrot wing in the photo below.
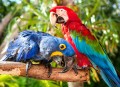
(24, 47)
(87, 44)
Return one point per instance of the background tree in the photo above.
(102, 17)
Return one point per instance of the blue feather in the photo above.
(101, 60)
(30, 45)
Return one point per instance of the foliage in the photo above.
(100, 16)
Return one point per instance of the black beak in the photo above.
(59, 60)
(59, 19)
(66, 62)
(69, 63)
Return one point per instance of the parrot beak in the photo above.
(54, 18)
(60, 20)
(64, 61)
(56, 53)
(59, 60)
(57, 56)
(69, 63)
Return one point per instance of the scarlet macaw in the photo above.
(85, 44)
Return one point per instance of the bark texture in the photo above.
(40, 72)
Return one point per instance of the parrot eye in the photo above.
(61, 10)
(62, 46)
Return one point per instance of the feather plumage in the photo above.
(85, 43)
(36, 46)
(93, 50)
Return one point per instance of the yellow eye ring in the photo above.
(62, 46)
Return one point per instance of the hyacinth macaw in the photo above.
(39, 46)
(85, 44)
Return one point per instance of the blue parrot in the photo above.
(40, 46)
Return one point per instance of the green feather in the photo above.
(93, 43)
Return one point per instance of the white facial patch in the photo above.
(53, 18)
(62, 13)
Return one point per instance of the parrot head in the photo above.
(58, 50)
(62, 15)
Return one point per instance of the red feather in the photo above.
(74, 23)
(82, 59)
(80, 28)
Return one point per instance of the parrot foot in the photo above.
(28, 66)
(84, 67)
(47, 65)
(68, 68)
(75, 69)
(49, 69)
(69, 64)
(65, 69)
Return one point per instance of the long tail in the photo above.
(110, 78)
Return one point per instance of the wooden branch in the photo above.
(40, 72)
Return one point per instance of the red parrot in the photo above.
(86, 46)
(74, 23)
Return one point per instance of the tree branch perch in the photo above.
(40, 72)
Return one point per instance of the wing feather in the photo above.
(92, 49)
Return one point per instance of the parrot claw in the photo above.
(69, 64)
(49, 69)
(47, 65)
(68, 68)
(84, 67)
(75, 69)
(65, 69)
(28, 66)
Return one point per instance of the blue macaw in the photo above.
(39, 46)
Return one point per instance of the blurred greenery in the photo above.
(102, 17)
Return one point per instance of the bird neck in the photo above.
(69, 22)
(78, 27)
(74, 25)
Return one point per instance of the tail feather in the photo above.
(110, 78)
(106, 79)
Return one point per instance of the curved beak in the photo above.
(57, 56)
(64, 61)
(56, 53)
(59, 60)
(69, 63)
(54, 18)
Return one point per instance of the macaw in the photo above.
(39, 46)
(85, 44)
